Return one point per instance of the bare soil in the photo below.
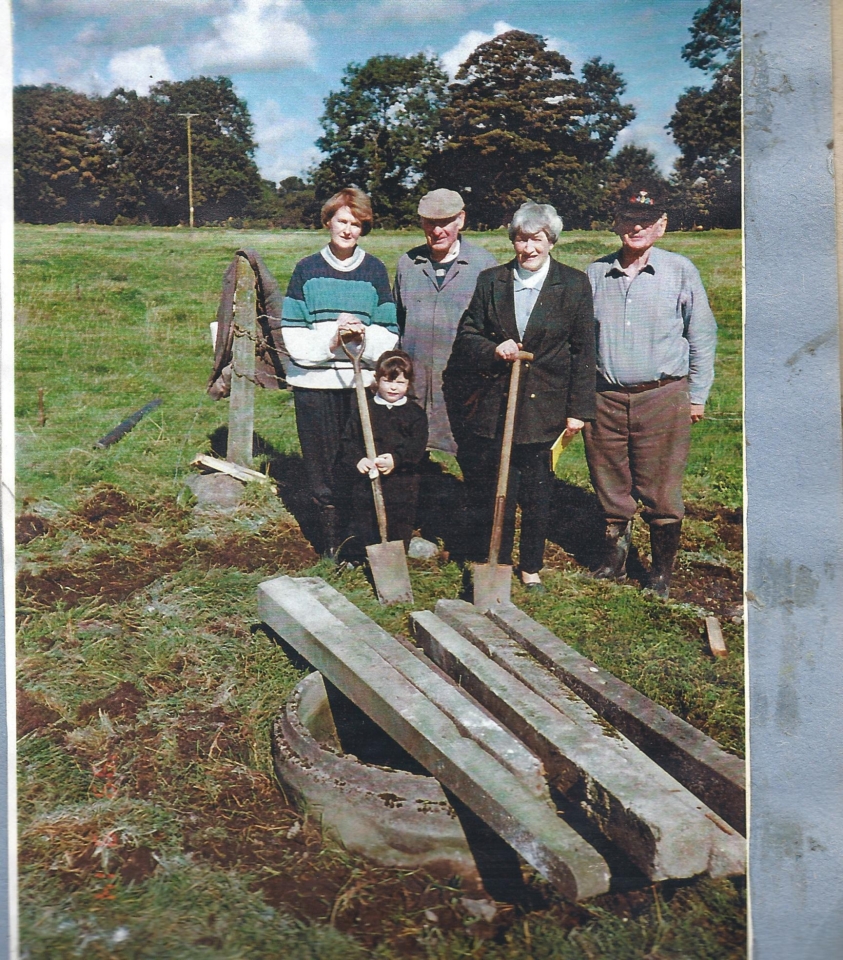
(33, 713)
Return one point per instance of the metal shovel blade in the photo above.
(389, 571)
(492, 585)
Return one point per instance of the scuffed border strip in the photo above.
(794, 484)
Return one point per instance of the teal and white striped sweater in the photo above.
(320, 289)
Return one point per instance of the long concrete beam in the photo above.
(661, 827)
(699, 763)
(529, 825)
(468, 716)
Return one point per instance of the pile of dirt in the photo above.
(28, 526)
(282, 548)
(32, 713)
(716, 589)
(99, 576)
(87, 856)
(125, 701)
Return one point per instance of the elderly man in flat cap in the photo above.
(434, 283)
(656, 337)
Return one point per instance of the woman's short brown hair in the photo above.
(356, 201)
(392, 363)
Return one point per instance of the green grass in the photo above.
(110, 318)
(154, 829)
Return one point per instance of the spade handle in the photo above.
(506, 456)
(368, 436)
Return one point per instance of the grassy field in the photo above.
(149, 821)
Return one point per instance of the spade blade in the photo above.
(492, 585)
(388, 563)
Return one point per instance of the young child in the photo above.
(399, 426)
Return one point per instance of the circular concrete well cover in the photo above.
(391, 816)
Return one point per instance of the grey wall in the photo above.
(794, 499)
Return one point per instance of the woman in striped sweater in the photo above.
(341, 291)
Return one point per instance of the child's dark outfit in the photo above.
(399, 429)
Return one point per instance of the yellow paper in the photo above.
(559, 445)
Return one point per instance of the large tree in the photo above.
(148, 136)
(706, 123)
(61, 164)
(715, 36)
(82, 158)
(521, 126)
(295, 204)
(583, 194)
(380, 129)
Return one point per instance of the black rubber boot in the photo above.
(331, 539)
(616, 548)
(664, 543)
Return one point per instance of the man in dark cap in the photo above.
(434, 283)
(656, 337)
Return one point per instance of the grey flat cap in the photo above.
(440, 204)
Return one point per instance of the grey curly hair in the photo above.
(533, 217)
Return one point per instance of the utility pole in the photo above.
(189, 164)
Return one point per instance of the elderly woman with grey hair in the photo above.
(540, 306)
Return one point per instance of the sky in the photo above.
(286, 56)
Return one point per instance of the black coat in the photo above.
(401, 431)
(270, 354)
(558, 383)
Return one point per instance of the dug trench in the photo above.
(201, 761)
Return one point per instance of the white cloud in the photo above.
(286, 144)
(255, 36)
(35, 78)
(468, 43)
(569, 50)
(79, 9)
(653, 137)
(139, 69)
(68, 71)
(107, 26)
(412, 11)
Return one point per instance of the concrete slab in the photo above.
(469, 717)
(699, 763)
(662, 828)
(529, 825)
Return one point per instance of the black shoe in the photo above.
(617, 539)
(664, 545)
(467, 587)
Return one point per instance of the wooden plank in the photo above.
(529, 825)
(699, 763)
(470, 718)
(241, 412)
(716, 643)
(232, 469)
(662, 828)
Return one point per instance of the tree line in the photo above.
(515, 124)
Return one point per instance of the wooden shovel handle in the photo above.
(506, 456)
(368, 435)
